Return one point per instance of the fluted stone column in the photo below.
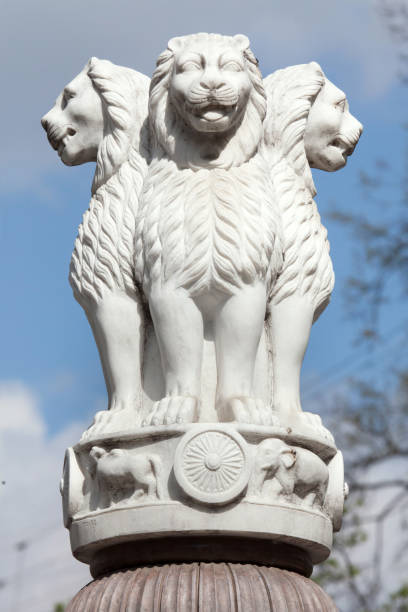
(227, 587)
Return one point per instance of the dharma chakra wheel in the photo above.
(211, 465)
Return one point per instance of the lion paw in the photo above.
(246, 410)
(315, 421)
(171, 410)
(287, 406)
(110, 421)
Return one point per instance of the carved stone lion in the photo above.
(203, 199)
(208, 244)
(308, 125)
(99, 116)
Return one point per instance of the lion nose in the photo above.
(44, 122)
(212, 81)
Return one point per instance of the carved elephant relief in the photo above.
(121, 476)
(293, 474)
(337, 491)
(71, 487)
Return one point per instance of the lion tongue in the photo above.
(213, 114)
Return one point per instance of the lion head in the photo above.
(332, 132)
(99, 116)
(207, 101)
(309, 121)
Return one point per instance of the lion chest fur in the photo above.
(307, 269)
(103, 258)
(208, 229)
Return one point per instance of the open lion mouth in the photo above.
(344, 145)
(211, 111)
(347, 140)
(59, 136)
(212, 107)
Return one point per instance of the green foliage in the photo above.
(398, 601)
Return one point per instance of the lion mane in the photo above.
(103, 256)
(209, 224)
(307, 269)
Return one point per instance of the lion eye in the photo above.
(67, 96)
(231, 66)
(341, 105)
(188, 66)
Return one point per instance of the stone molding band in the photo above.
(204, 549)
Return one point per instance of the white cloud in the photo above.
(31, 465)
(18, 407)
(346, 32)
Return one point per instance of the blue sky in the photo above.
(50, 379)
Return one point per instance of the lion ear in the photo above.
(97, 452)
(288, 458)
(316, 68)
(241, 41)
(91, 62)
(175, 44)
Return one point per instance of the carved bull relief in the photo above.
(123, 477)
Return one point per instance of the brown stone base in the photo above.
(202, 587)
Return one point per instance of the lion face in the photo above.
(207, 101)
(210, 85)
(75, 123)
(332, 132)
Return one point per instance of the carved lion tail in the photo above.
(156, 466)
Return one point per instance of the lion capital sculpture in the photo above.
(202, 230)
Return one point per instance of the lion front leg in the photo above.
(117, 322)
(289, 328)
(178, 324)
(238, 327)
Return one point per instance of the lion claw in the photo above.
(246, 410)
(177, 409)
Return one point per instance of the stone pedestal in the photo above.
(242, 483)
(223, 504)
